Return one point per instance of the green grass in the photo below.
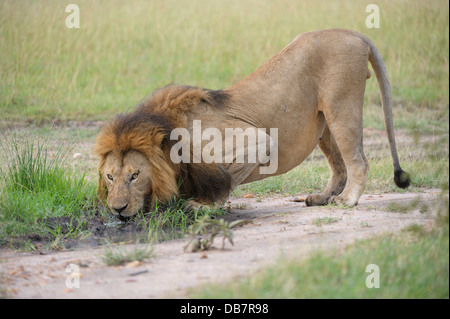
(125, 50)
(406, 208)
(413, 264)
(307, 177)
(172, 220)
(35, 185)
(117, 256)
(325, 221)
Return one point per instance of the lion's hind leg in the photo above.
(347, 130)
(338, 178)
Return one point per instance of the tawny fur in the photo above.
(312, 92)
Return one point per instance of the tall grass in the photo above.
(35, 184)
(125, 49)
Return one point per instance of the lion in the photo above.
(311, 92)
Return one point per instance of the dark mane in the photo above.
(128, 122)
(209, 182)
(219, 98)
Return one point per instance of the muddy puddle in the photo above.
(67, 233)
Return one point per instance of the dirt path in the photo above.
(280, 228)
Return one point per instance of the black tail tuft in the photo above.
(401, 178)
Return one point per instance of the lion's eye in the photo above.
(109, 176)
(134, 176)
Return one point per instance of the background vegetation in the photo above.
(126, 49)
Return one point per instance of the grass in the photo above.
(413, 264)
(116, 256)
(123, 51)
(406, 208)
(35, 185)
(172, 220)
(325, 221)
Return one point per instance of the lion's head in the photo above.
(135, 170)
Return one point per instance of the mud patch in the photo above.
(81, 232)
(92, 230)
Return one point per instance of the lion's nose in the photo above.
(119, 210)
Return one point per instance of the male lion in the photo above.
(312, 92)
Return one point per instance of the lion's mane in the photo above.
(147, 130)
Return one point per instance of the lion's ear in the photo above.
(160, 137)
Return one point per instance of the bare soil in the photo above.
(281, 228)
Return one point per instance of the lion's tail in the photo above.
(401, 178)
